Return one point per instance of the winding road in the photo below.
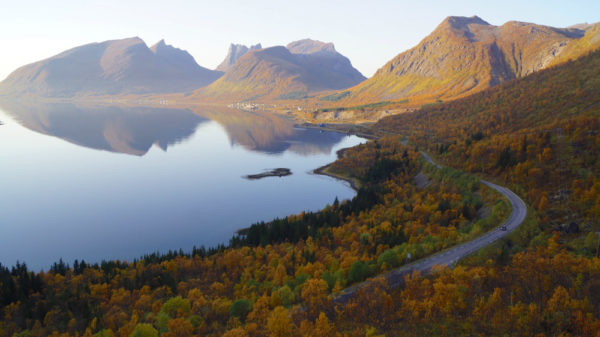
(449, 256)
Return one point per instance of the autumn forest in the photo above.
(533, 131)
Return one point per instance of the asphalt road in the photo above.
(448, 257)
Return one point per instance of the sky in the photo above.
(368, 32)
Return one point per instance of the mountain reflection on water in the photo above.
(134, 129)
(130, 130)
(116, 182)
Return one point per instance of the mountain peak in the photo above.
(462, 22)
(123, 66)
(159, 45)
(309, 46)
(234, 53)
(466, 20)
(285, 73)
(464, 55)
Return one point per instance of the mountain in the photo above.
(586, 44)
(464, 55)
(124, 66)
(539, 133)
(235, 52)
(285, 72)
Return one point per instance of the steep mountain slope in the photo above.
(465, 55)
(539, 133)
(233, 54)
(111, 67)
(279, 72)
(589, 42)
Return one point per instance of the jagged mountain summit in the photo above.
(112, 67)
(464, 55)
(233, 54)
(279, 72)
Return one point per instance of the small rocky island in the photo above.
(278, 172)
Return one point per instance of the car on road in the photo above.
(503, 228)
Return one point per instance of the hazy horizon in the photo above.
(369, 34)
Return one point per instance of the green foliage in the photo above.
(335, 97)
(507, 158)
(591, 242)
(294, 95)
(240, 309)
(390, 258)
(161, 321)
(365, 238)
(300, 279)
(286, 295)
(144, 330)
(358, 272)
(196, 320)
(176, 307)
(104, 333)
(363, 107)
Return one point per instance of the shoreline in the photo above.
(322, 171)
(344, 128)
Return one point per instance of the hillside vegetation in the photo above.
(538, 135)
(269, 271)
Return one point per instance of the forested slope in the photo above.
(537, 135)
(270, 269)
(540, 134)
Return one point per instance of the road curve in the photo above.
(449, 256)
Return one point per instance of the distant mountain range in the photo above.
(464, 55)
(279, 72)
(113, 67)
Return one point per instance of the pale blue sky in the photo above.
(368, 32)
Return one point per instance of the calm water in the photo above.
(111, 182)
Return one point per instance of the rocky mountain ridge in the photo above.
(464, 55)
(279, 72)
(234, 53)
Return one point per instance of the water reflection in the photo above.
(60, 200)
(133, 130)
(130, 130)
(269, 133)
